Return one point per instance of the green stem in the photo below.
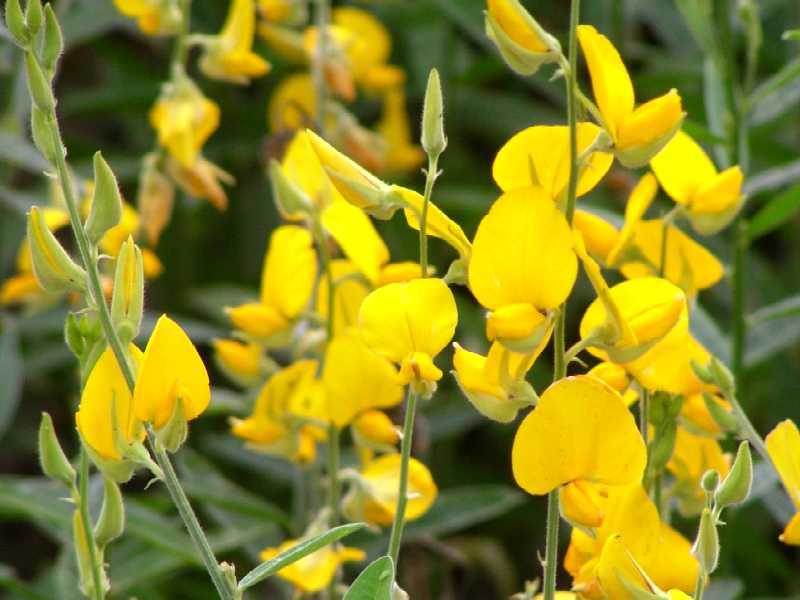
(180, 52)
(188, 516)
(318, 63)
(402, 490)
(430, 179)
(644, 413)
(699, 587)
(333, 472)
(748, 432)
(83, 506)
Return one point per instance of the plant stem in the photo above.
(644, 413)
(318, 63)
(189, 518)
(333, 471)
(402, 491)
(430, 179)
(699, 587)
(180, 52)
(748, 430)
(88, 532)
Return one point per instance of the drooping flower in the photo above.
(711, 199)
(242, 362)
(522, 42)
(580, 430)
(402, 155)
(639, 133)
(229, 56)
(783, 445)
(293, 104)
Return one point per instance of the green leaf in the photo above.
(787, 307)
(776, 95)
(772, 329)
(374, 582)
(11, 368)
(775, 213)
(699, 23)
(772, 179)
(295, 553)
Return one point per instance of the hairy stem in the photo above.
(402, 491)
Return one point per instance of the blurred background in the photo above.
(481, 540)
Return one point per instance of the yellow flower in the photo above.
(599, 236)
(184, 119)
(95, 417)
(242, 362)
(293, 104)
(579, 430)
(402, 155)
(640, 199)
(369, 44)
(154, 17)
(357, 237)
(349, 293)
(406, 270)
(410, 323)
(539, 156)
(373, 496)
(286, 415)
(357, 379)
(313, 573)
(283, 11)
(202, 179)
(783, 445)
(522, 265)
(524, 45)
(171, 369)
(638, 133)
(495, 384)
(374, 429)
(692, 457)
(229, 56)
(712, 199)
(287, 280)
(439, 225)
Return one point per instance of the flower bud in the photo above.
(39, 85)
(155, 200)
(54, 269)
(702, 372)
(519, 327)
(33, 16)
(736, 486)
(52, 459)
(106, 210)
(41, 133)
(15, 21)
(111, 522)
(53, 44)
(127, 300)
(648, 130)
(522, 42)
(723, 378)
(290, 200)
(724, 419)
(434, 141)
(710, 481)
(706, 546)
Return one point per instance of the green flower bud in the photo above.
(106, 208)
(111, 522)
(127, 300)
(726, 420)
(39, 85)
(706, 546)
(702, 372)
(736, 486)
(710, 481)
(15, 21)
(723, 378)
(42, 134)
(53, 44)
(54, 269)
(33, 16)
(434, 141)
(52, 459)
(290, 200)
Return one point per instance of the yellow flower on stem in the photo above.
(293, 104)
(522, 266)
(539, 156)
(580, 430)
(639, 133)
(402, 155)
(599, 236)
(229, 56)
(783, 445)
(184, 119)
(522, 42)
(202, 179)
(711, 199)
(349, 293)
(410, 323)
(154, 17)
(640, 199)
(287, 281)
(373, 495)
(242, 362)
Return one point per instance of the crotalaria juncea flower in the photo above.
(783, 445)
(154, 17)
(711, 198)
(639, 133)
(522, 266)
(579, 430)
(229, 55)
(243, 362)
(522, 42)
(410, 323)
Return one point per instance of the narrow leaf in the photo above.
(775, 213)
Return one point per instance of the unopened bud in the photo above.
(702, 372)
(290, 200)
(722, 417)
(736, 486)
(33, 16)
(106, 208)
(53, 44)
(434, 141)
(127, 300)
(710, 481)
(38, 84)
(111, 522)
(522, 42)
(52, 459)
(723, 378)
(54, 269)
(15, 21)
(706, 546)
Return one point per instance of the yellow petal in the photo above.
(720, 193)
(402, 318)
(349, 293)
(783, 445)
(302, 167)
(670, 563)
(583, 503)
(257, 320)
(514, 25)
(94, 416)
(293, 104)
(612, 375)
(523, 253)
(402, 155)
(313, 573)
(599, 235)
(791, 535)
(289, 272)
(651, 126)
(419, 366)
(371, 44)
(357, 379)
(382, 474)
(580, 430)
(438, 224)
(239, 360)
(519, 327)
(171, 369)
(639, 201)
(540, 156)
(611, 84)
(615, 567)
(357, 237)
(376, 428)
(682, 167)
(695, 411)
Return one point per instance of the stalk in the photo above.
(88, 531)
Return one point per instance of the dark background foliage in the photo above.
(481, 541)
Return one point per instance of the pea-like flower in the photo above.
(522, 42)
(688, 175)
(229, 55)
(639, 133)
(522, 267)
(410, 323)
(243, 362)
(783, 445)
(154, 17)
(580, 430)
